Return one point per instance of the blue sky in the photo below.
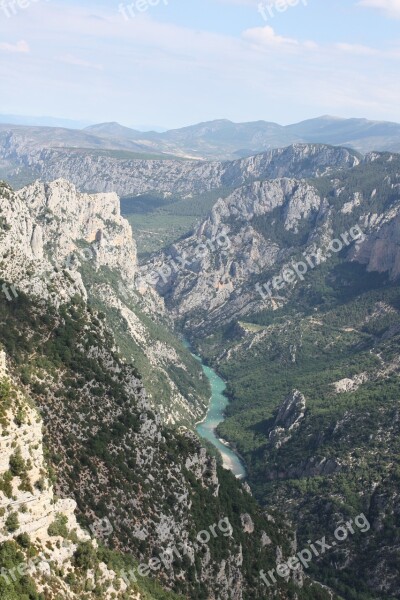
(178, 62)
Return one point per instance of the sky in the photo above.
(173, 63)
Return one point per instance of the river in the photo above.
(215, 415)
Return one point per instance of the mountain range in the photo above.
(284, 279)
(215, 140)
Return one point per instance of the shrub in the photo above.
(40, 484)
(85, 556)
(59, 527)
(23, 540)
(17, 463)
(5, 484)
(12, 522)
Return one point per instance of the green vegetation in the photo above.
(159, 221)
(186, 375)
(326, 333)
(59, 527)
(18, 587)
(12, 522)
(17, 463)
(341, 323)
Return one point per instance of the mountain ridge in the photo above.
(223, 139)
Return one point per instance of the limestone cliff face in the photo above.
(270, 225)
(381, 252)
(214, 284)
(50, 234)
(50, 227)
(22, 435)
(289, 417)
(28, 505)
(104, 173)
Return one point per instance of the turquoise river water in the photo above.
(215, 415)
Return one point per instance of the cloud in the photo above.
(266, 36)
(69, 59)
(187, 74)
(358, 49)
(390, 7)
(20, 47)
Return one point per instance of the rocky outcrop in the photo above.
(289, 417)
(102, 173)
(247, 523)
(50, 227)
(29, 507)
(215, 284)
(350, 385)
(56, 243)
(381, 252)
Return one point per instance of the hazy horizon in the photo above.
(172, 63)
(56, 121)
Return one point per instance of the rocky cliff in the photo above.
(269, 226)
(57, 243)
(94, 171)
(65, 257)
(37, 529)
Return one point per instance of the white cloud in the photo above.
(21, 47)
(390, 7)
(69, 59)
(357, 49)
(266, 36)
(187, 74)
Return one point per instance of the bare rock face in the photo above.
(350, 385)
(247, 523)
(289, 417)
(205, 469)
(104, 173)
(381, 251)
(48, 227)
(28, 504)
(50, 232)
(265, 539)
(213, 284)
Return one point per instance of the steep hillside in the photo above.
(55, 232)
(299, 312)
(169, 505)
(126, 175)
(44, 553)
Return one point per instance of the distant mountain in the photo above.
(214, 140)
(360, 134)
(43, 121)
(113, 130)
(223, 139)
